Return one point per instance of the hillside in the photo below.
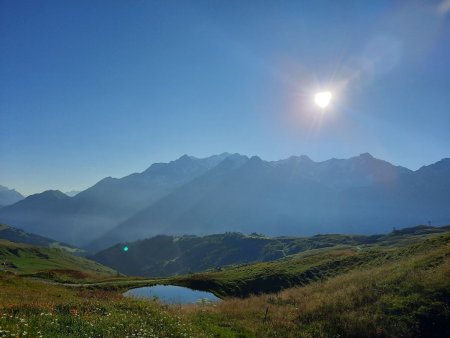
(22, 258)
(396, 285)
(172, 255)
(314, 265)
(381, 292)
(19, 236)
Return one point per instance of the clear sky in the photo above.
(90, 89)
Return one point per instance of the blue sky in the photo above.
(90, 89)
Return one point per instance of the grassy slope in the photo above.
(19, 236)
(169, 255)
(404, 297)
(399, 287)
(28, 259)
(311, 266)
(29, 308)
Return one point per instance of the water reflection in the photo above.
(172, 294)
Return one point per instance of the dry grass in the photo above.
(392, 300)
(29, 308)
(402, 292)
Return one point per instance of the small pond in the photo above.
(172, 294)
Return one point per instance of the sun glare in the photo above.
(323, 99)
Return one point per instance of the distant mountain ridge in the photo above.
(232, 192)
(293, 197)
(77, 220)
(9, 196)
(19, 236)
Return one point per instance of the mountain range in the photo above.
(236, 193)
(78, 220)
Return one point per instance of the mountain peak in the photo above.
(300, 159)
(46, 196)
(233, 161)
(235, 156)
(366, 156)
(54, 193)
(185, 157)
(226, 154)
(305, 158)
(3, 188)
(9, 196)
(255, 159)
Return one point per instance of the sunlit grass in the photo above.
(30, 308)
(408, 297)
(379, 292)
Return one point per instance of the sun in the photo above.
(323, 99)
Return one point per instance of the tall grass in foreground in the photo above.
(385, 292)
(409, 298)
(33, 309)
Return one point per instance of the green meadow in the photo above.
(399, 287)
